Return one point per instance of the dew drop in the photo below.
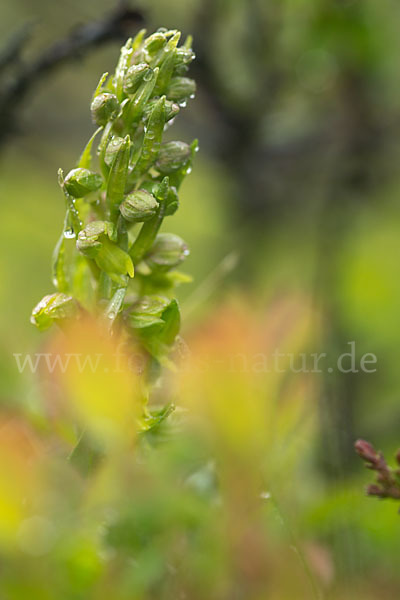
(69, 234)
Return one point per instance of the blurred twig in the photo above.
(11, 53)
(116, 25)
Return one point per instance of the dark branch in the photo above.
(115, 26)
(11, 53)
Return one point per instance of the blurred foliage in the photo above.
(297, 114)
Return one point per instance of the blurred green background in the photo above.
(298, 117)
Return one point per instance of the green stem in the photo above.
(122, 233)
(147, 235)
(93, 268)
(105, 288)
(102, 149)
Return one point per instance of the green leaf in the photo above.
(152, 138)
(113, 147)
(172, 202)
(85, 161)
(97, 91)
(82, 283)
(134, 109)
(122, 67)
(171, 109)
(138, 40)
(167, 65)
(172, 319)
(152, 421)
(115, 305)
(59, 273)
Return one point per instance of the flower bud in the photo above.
(181, 88)
(182, 59)
(97, 240)
(154, 43)
(168, 251)
(156, 320)
(139, 206)
(89, 238)
(55, 307)
(147, 312)
(115, 262)
(80, 182)
(105, 107)
(134, 77)
(172, 156)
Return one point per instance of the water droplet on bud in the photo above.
(148, 76)
(69, 234)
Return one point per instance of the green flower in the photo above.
(172, 157)
(168, 251)
(81, 182)
(53, 308)
(105, 107)
(139, 206)
(97, 241)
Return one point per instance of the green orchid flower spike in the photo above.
(111, 259)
